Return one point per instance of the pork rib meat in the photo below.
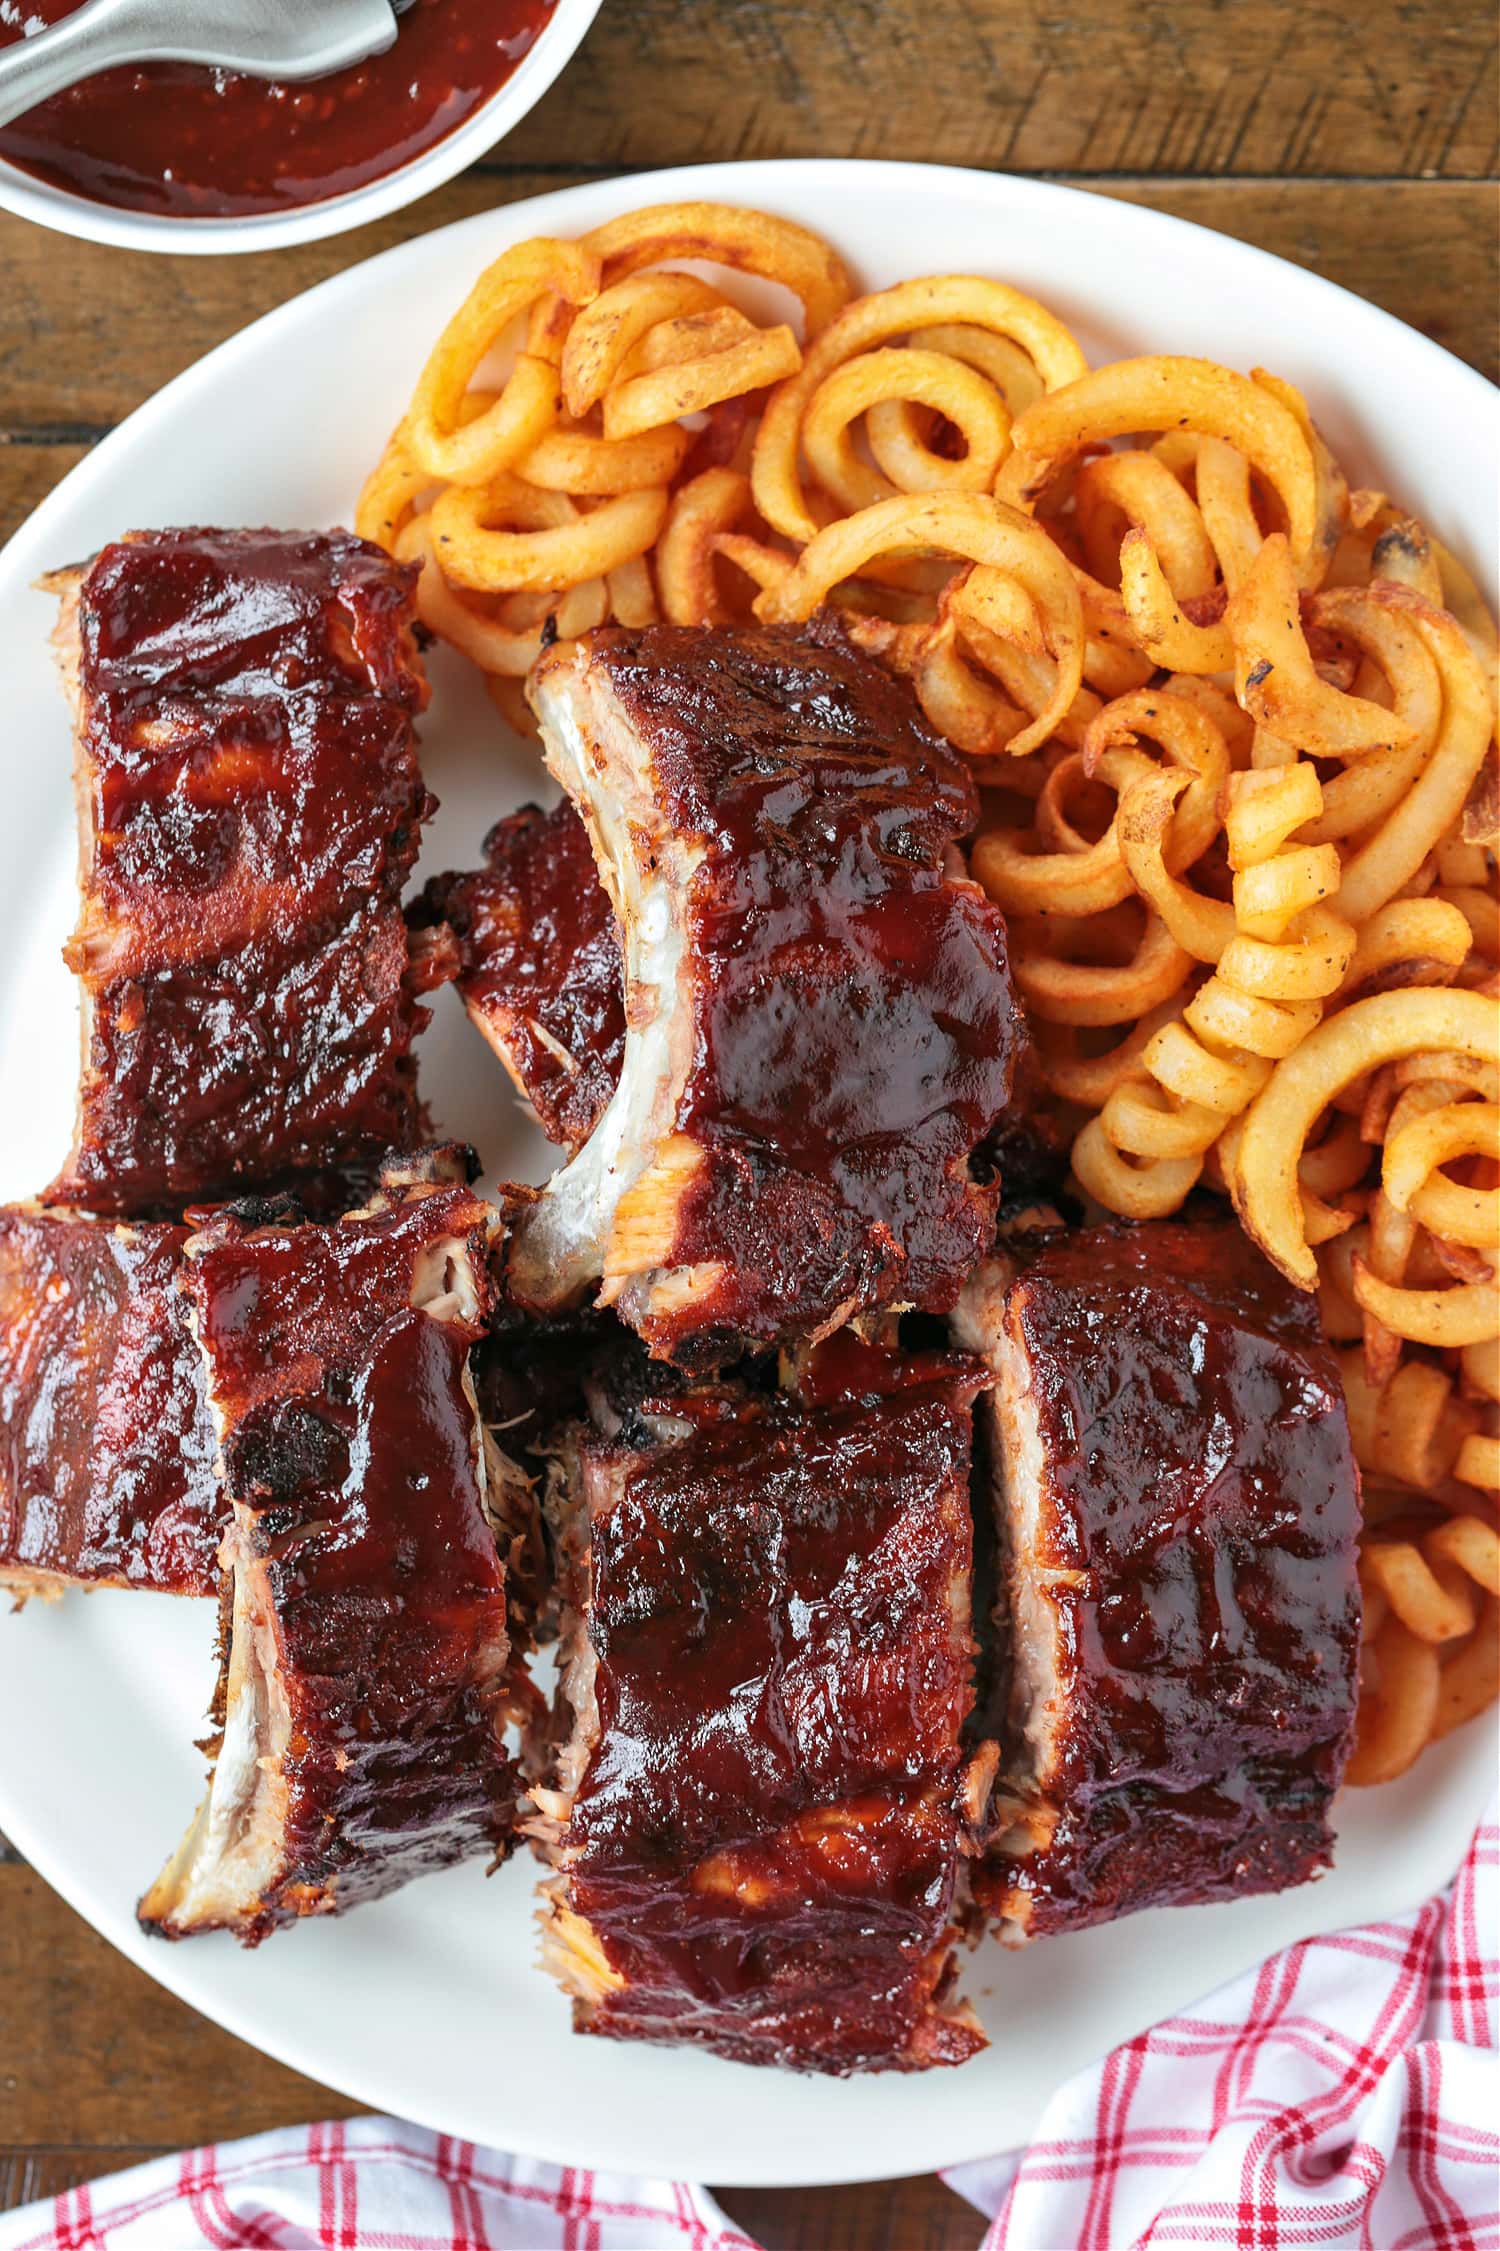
(369, 1659)
(757, 1809)
(249, 807)
(1178, 1508)
(819, 1015)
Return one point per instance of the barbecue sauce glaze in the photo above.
(350, 1454)
(1200, 1482)
(765, 1838)
(107, 1472)
(249, 771)
(854, 1018)
(539, 964)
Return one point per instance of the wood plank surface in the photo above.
(27, 474)
(136, 2069)
(87, 332)
(1393, 88)
(1359, 143)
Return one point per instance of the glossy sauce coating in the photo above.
(765, 1840)
(350, 1452)
(853, 1013)
(539, 964)
(185, 142)
(1196, 1551)
(252, 804)
(106, 1452)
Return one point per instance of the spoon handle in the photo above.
(293, 39)
(93, 38)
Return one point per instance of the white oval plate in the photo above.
(429, 2004)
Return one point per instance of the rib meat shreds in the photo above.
(250, 806)
(756, 1810)
(1178, 1509)
(107, 1473)
(534, 1374)
(370, 1663)
(539, 965)
(820, 1019)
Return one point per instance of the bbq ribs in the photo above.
(250, 805)
(107, 1474)
(753, 996)
(1178, 1507)
(537, 957)
(819, 1015)
(759, 1796)
(371, 1645)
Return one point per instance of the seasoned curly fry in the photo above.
(967, 527)
(1359, 1038)
(606, 331)
(989, 307)
(1408, 942)
(1470, 1678)
(1383, 863)
(686, 552)
(689, 380)
(1234, 723)
(440, 441)
(1274, 678)
(721, 234)
(1410, 1175)
(1165, 393)
(1172, 640)
(1278, 956)
(1397, 1716)
(480, 535)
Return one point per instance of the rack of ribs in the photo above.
(537, 957)
(759, 1798)
(819, 1014)
(1178, 1507)
(250, 808)
(107, 1471)
(370, 1639)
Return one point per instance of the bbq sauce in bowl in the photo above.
(182, 142)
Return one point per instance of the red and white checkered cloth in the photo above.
(1347, 2094)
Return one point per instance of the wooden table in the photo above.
(1361, 144)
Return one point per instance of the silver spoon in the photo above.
(265, 38)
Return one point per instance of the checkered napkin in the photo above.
(1345, 2094)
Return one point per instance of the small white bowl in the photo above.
(309, 222)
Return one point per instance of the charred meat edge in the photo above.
(232, 1852)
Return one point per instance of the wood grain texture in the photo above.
(1399, 88)
(1362, 144)
(27, 475)
(1429, 252)
(26, 2174)
(921, 2214)
(94, 2054)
